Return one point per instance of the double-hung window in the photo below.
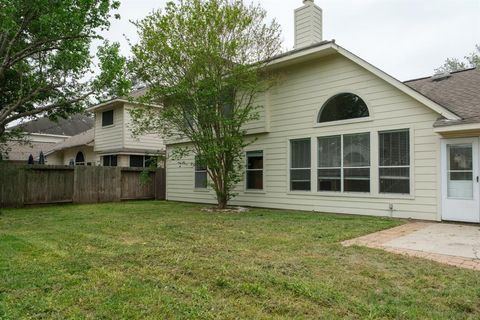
(200, 175)
(344, 163)
(254, 170)
(394, 161)
(300, 165)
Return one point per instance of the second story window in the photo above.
(107, 118)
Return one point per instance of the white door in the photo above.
(460, 186)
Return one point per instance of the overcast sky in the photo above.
(405, 38)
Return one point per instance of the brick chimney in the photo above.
(308, 24)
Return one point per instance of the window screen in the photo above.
(110, 161)
(394, 157)
(136, 161)
(200, 174)
(356, 162)
(107, 118)
(329, 163)
(300, 165)
(254, 170)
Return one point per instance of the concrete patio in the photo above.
(448, 243)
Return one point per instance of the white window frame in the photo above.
(409, 162)
(249, 170)
(290, 168)
(342, 166)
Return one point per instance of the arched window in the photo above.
(343, 106)
(80, 159)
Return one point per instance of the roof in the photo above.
(459, 93)
(82, 139)
(20, 151)
(65, 127)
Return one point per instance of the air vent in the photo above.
(441, 75)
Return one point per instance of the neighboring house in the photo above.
(43, 134)
(109, 142)
(340, 135)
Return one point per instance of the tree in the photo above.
(205, 61)
(470, 61)
(45, 55)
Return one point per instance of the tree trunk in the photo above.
(222, 202)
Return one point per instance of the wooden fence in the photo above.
(37, 184)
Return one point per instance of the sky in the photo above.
(405, 38)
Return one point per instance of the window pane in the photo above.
(343, 106)
(113, 161)
(255, 160)
(460, 157)
(107, 118)
(394, 148)
(255, 180)
(395, 180)
(300, 153)
(201, 179)
(300, 179)
(106, 161)
(356, 150)
(329, 152)
(136, 161)
(356, 180)
(329, 180)
(198, 165)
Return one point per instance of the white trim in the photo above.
(459, 127)
(398, 84)
(107, 104)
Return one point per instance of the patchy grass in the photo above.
(171, 260)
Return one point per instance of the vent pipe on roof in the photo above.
(308, 25)
(441, 75)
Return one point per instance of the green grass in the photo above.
(164, 260)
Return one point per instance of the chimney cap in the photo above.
(308, 1)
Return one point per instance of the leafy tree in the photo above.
(470, 61)
(45, 57)
(205, 61)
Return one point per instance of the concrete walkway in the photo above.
(452, 244)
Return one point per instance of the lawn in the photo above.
(164, 260)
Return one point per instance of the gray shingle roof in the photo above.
(65, 127)
(459, 93)
(81, 139)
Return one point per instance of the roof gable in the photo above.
(330, 47)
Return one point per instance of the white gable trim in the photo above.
(332, 47)
(398, 84)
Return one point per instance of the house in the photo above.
(340, 135)
(41, 135)
(110, 142)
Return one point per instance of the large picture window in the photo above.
(200, 175)
(394, 165)
(254, 170)
(343, 106)
(300, 165)
(344, 163)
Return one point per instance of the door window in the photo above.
(460, 171)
